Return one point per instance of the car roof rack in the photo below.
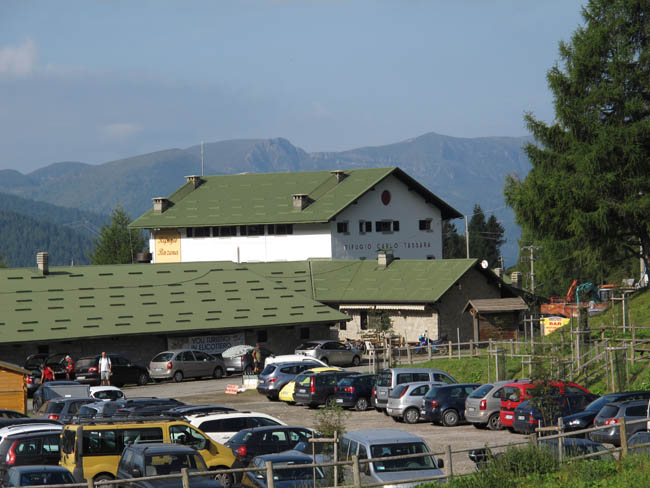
(124, 420)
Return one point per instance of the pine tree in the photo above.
(453, 244)
(117, 244)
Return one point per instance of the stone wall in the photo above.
(409, 324)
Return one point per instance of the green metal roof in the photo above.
(267, 198)
(94, 301)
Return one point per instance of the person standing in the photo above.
(69, 368)
(105, 368)
(47, 374)
(257, 359)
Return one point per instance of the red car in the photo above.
(515, 393)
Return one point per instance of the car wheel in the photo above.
(411, 416)
(178, 376)
(356, 361)
(450, 418)
(361, 404)
(248, 370)
(226, 479)
(217, 373)
(103, 477)
(494, 423)
(143, 379)
(272, 398)
(331, 401)
(312, 405)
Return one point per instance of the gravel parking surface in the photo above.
(438, 437)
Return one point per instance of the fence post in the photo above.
(429, 350)
(449, 468)
(91, 482)
(356, 477)
(408, 355)
(560, 443)
(623, 434)
(185, 477)
(512, 348)
(336, 459)
(270, 482)
(450, 353)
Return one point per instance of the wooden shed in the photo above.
(13, 392)
(496, 318)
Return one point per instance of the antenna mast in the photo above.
(201, 158)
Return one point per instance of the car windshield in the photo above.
(598, 403)
(608, 411)
(85, 363)
(410, 464)
(384, 379)
(108, 395)
(162, 357)
(173, 463)
(481, 391)
(46, 478)
(295, 473)
(308, 345)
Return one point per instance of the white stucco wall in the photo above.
(307, 241)
(407, 207)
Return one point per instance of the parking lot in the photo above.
(212, 392)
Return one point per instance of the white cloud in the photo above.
(18, 60)
(120, 130)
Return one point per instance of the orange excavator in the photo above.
(598, 300)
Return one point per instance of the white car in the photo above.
(31, 427)
(291, 358)
(222, 426)
(106, 393)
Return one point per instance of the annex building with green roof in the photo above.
(343, 214)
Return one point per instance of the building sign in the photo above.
(212, 344)
(551, 324)
(168, 246)
(387, 245)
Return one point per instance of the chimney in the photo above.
(515, 277)
(195, 180)
(340, 175)
(384, 257)
(300, 200)
(160, 204)
(43, 262)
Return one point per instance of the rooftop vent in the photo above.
(340, 175)
(301, 200)
(195, 180)
(160, 204)
(384, 257)
(43, 262)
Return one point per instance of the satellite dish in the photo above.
(484, 264)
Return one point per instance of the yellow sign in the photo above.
(551, 324)
(168, 246)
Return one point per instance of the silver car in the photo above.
(185, 363)
(330, 352)
(405, 400)
(482, 406)
(392, 377)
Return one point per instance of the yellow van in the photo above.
(93, 450)
(286, 393)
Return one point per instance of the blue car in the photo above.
(293, 475)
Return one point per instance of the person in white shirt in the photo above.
(105, 368)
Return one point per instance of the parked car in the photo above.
(106, 393)
(528, 418)
(483, 405)
(286, 393)
(314, 389)
(377, 443)
(392, 377)
(11, 414)
(446, 404)
(330, 352)
(639, 442)
(585, 418)
(91, 450)
(291, 358)
(123, 371)
(243, 362)
(186, 410)
(221, 426)
(145, 407)
(139, 460)
(295, 475)
(405, 401)
(58, 389)
(185, 363)
(36, 447)
(37, 475)
(355, 391)
(7, 426)
(516, 392)
(33, 364)
(275, 375)
(63, 409)
(248, 443)
(612, 413)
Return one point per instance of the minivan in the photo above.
(405, 400)
(93, 450)
(390, 378)
(377, 443)
(483, 405)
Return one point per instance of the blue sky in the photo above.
(94, 81)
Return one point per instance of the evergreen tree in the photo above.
(453, 244)
(588, 191)
(3, 264)
(485, 237)
(117, 244)
(494, 233)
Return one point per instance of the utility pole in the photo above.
(467, 236)
(201, 158)
(532, 248)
